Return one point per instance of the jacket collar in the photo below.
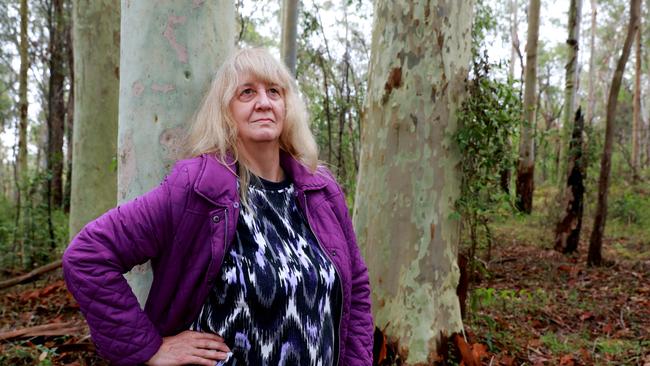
(217, 181)
(302, 178)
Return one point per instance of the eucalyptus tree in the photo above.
(96, 25)
(408, 178)
(570, 84)
(56, 104)
(526, 165)
(636, 115)
(289, 33)
(594, 257)
(157, 99)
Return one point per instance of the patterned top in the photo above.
(277, 299)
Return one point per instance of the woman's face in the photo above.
(258, 109)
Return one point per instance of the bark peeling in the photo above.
(408, 171)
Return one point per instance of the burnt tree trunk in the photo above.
(567, 230)
(596, 241)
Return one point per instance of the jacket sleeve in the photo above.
(97, 258)
(359, 340)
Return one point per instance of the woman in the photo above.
(253, 253)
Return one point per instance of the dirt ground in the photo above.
(535, 306)
(531, 306)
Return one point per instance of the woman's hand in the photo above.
(190, 347)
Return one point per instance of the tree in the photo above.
(591, 99)
(636, 119)
(570, 84)
(526, 165)
(157, 99)
(96, 29)
(56, 105)
(289, 33)
(23, 105)
(408, 177)
(594, 257)
(567, 230)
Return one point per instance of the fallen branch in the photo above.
(54, 329)
(31, 275)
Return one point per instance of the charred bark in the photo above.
(567, 230)
(525, 187)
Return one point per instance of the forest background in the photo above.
(531, 234)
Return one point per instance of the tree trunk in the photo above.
(69, 120)
(567, 230)
(526, 165)
(636, 120)
(408, 177)
(289, 33)
(56, 104)
(591, 103)
(96, 29)
(514, 46)
(570, 86)
(21, 174)
(595, 242)
(157, 99)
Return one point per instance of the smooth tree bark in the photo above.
(56, 106)
(570, 85)
(567, 230)
(591, 98)
(594, 258)
(188, 41)
(636, 113)
(96, 32)
(69, 120)
(514, 35)
(289, 33)
(408, 172)
(526, 164)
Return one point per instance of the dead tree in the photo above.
(567, 230)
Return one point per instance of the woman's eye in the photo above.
(274, 92)
(247, 94)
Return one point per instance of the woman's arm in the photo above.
(358, 349)
(98, 256)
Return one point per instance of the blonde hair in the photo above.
(214, 131)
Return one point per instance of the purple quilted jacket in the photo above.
(184, 227)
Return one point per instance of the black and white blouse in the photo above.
(277, 299)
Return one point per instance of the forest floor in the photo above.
(535, 306)
(530, 305)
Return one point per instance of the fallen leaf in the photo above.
(586, 315)
(506, 360)
(479, 351)
(567, 360)
(607, 328)
(466, 355)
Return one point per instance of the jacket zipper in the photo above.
(338, 326)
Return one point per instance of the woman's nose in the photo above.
(263, 100)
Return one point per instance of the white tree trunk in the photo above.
(170, 51)
(408, 177)
(289, 33)
(591, 99)
(571, 85)
(526, 163)
(96, 31)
